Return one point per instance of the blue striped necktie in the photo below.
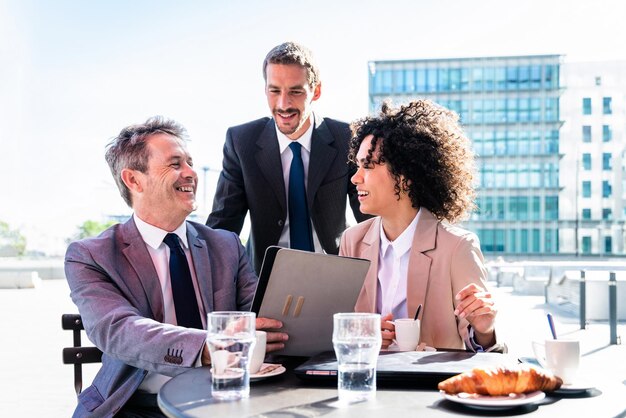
(185, 302)
(300, 234)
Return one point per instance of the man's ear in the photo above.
(317, 92)
(132, 180)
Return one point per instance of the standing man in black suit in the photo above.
(296, 193)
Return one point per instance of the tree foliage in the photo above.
(91, 228)
(12, 242)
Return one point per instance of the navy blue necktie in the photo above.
(185, 302)
(300, 234)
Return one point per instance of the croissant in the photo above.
(501, 380)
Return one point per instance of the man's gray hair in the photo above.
(129, 149)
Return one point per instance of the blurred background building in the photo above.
(549, 139)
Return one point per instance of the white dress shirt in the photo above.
(286, 155)
(393, 268)
(160, 254)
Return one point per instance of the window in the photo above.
(606, 106)
(455, 79)
(606, 188)
(536, 241)
(443, 79)
(398, 81)
(607, 214)
(548, 241)
(386, 81)
(524, 241)
(420, 78)
(511, 78)
(586, 106)
(552, 207)
(607, 133)
(586, 188)
(586, 133)
(535, 77)
(535, 208)
(586, 161)
(587, 245)
(607, 164)
(500, 207)
(512, 237)
(586, 213)
(608, 244)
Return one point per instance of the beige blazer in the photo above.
(443, 260)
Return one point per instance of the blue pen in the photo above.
(552, 329)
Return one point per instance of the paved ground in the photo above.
(34, 382)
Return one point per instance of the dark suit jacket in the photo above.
(116, 288)
(252, 180)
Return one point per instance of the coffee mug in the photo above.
(407, 333)
(258, 352)
(222, 360)
(561, 357)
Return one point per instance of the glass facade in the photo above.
(509, 108)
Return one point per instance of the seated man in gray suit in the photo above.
(144, 287)
(291, 170)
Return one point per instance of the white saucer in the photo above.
(577, 386)
(495, 402)
(260, 375)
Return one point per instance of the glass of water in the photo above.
(357, 341)
(231, 337)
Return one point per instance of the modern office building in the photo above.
(509, 107)
(593, 107)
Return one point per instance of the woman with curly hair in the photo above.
(415, 173)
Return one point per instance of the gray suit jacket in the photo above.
(116, 288)
(252, 180)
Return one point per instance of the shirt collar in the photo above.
(153, 236)
(304, 140)
(403, 243)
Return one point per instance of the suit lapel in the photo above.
(138, 257)
(323, 154)
(369, 250)
(202, 265)
(419, 263)
(268, 160)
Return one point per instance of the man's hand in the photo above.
(477, 306)
(275, 340)
(387, 330)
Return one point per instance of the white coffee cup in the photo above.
(561, 357)
(221, 360)
(258, 352)
(407, 333)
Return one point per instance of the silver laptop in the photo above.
(304, 290)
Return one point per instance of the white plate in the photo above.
(495, 402)
(577, 386)
(260, 375)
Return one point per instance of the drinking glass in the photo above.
(357, 340)
(230, 336)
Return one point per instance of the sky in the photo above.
(73, 73)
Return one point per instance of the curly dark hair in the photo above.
(423, 143)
